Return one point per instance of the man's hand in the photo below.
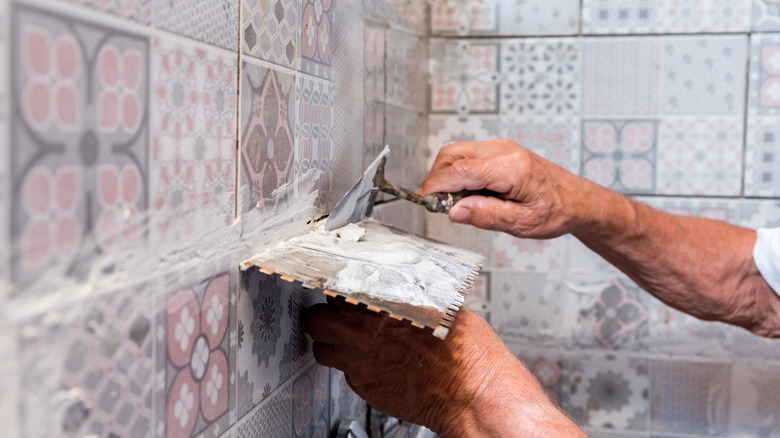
(467, 385)
(538, 198)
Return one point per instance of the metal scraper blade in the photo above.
(406, 276)
(356, 204)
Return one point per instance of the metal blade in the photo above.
(357, 203)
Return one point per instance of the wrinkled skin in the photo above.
(450, 386)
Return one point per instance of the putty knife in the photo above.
(358, 203)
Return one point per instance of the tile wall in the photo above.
(151, 145)
(672, 101)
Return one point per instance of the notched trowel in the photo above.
(406, 276)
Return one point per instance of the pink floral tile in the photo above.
(548, 366)
(621, 76)
(496, 17)
(266, 145)
(345, 405)
(469, 17)
(80, 168)
(509, 252)
(311, 396)
(764, 91)
(525, 307)
(465, 76)
(317, 37)
(270, 30)
(195, 377)
(620, 154)
(104, 363)
(192, 183)
(700, 156)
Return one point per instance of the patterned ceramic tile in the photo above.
(509, 252)
(270, 30)
(721, 210)
(313, 138)
(755, 405)
(271, 419)
(497, 17)
(405, 133)
(403, 215)
(267, 136)
(465, 77)
(5, 152)
(448, 129)
(408, 15)
(608, 391)
(346, 163)
(620, 154)
(195, 378)
(704, 75)
(762, 157)
(615, 317)
(439, 227)
(317, 37)
(301, 342)
(693, 16)
(192, 182)
(766, 15)
(345, 405)
(406, 65)
(700, 156)
(621, 76)
(764, 96)
(265, 329)
(665, 16)
(525, 306)
(540, 77)
(80, 126)
(135, 10)
(548, 366)
(469, 17)
(374, 91)
(759, 214)
(621, 17)
(554, 138)
(690, 397)
(212, 21)
(103, 364)
(311, 397)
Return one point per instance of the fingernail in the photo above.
(460, 213)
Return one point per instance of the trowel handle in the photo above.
(443, 202)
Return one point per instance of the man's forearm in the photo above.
(700, 266)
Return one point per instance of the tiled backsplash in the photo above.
(672, 101)
(153, 144)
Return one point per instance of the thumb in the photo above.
(485, 212)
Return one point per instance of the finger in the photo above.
(487, 213)
(469, 174)
(449, 153)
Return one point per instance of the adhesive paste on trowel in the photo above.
(388, 270)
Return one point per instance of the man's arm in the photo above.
(468, 385)
(699, 266)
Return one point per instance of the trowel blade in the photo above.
(354, 206)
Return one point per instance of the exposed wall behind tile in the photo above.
(672, 101)
(148, 147)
